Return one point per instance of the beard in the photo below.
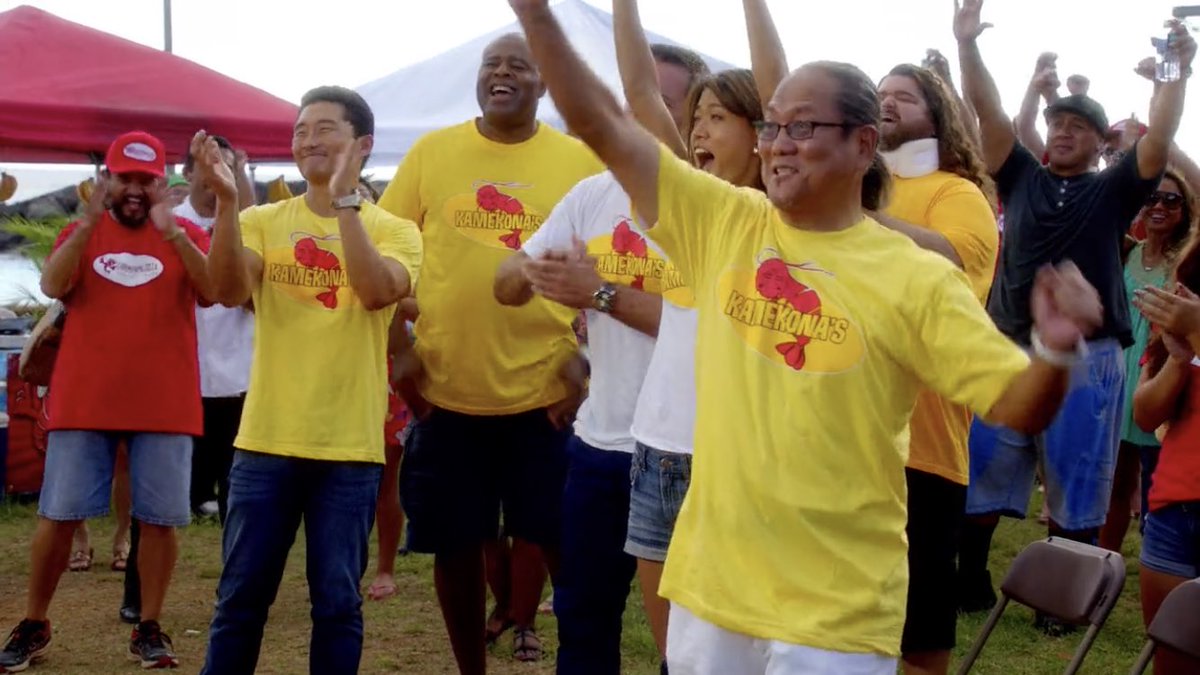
(131, 221)
(898, 136)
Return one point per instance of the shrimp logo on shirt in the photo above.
(309, 270)
(624, 257)
(779, 310)
(493, 214)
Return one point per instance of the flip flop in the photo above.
(527, 647)
(383, 591)
(81, 561)
(120, 561)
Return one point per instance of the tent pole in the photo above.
(167, 26)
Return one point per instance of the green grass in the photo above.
(405, 634)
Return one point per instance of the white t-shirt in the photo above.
(666, 410)
(224, 336)
(598, 212)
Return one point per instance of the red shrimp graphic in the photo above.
(308, 254)
(774, 281)
(492, 200)
(627, 242)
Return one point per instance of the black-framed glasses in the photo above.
(1169, 200)
(798, 130)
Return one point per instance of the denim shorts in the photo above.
(658, 483)
(1078, 451)
(1171, 543)
(79, 473)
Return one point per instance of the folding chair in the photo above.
(1177, 625)
(1072, 582)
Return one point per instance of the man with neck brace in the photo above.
(941, 200)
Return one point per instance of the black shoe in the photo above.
(975, 592)
(27, 643)
(152, 647)
(131, 615)
(1052, 627)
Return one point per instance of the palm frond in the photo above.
(38, 235)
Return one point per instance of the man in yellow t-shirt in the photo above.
(817, 328)
(491, 428)
(324, 271)
(938, 201)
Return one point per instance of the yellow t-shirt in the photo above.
(955, 208)
(477, 201)
(811, 348)
(318, 383)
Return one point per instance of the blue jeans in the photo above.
(1078, 450)
(268, 497)
(594, 578)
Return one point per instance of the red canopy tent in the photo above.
(66, 91)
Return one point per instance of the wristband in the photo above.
(1058, 358)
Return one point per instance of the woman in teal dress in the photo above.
(1168, 218)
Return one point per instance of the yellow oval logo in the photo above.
(310, 271)
(778, 309)
(624, 257)
(494, 216)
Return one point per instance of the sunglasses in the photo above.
(1169, 200)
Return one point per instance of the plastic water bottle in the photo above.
(1166, 69)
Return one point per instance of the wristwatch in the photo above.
(604, 297)
(350, 201)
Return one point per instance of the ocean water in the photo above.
(18, 279)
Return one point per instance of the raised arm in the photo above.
(1043, 85)
(1167, 108)
(590, 109)
(995, 128)
(61, 269)
(1161, 383)
(935, 61)
(768, 60)
(245, 186)
(639, 79)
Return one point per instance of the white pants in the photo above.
(696, 647)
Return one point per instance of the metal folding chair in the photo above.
(1177, 625)
(1072, 582)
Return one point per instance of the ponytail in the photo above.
(877, 185)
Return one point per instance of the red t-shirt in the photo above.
(1177, 476)
(128, 356)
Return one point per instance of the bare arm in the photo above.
(995, 128)
(639, 79)
(1026, 120)
(234, 269)
(378, 281)
(60, 269)
(1031, 401)
(245, 187)
(923, 237)
(591, 110)
(195, 264)
(1167, 110)
(511, 286)
(1157, 395)
(768, 60)
(639, 310)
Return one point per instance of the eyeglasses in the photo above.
(799, 130)
(1169, 200)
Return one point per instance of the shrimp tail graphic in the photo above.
(626, 241)
(774, 281)
(308, 254)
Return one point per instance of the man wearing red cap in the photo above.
(130, 274)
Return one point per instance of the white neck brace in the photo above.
(913, 159)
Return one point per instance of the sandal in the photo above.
(120, 560)
(496, 626)
(81, 561)
(381, 590)
(527, 646)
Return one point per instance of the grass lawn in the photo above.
(405, 634)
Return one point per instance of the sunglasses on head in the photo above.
(1169, 200)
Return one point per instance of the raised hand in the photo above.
(1177, 313)
(1178, 348)
(97, 203)
(212, 167)
(1066, 308)
(936, 61)
(161, 214)
(519, 6)
(1183, 45)
(1145, 68)
(347, 169)
(967, 25)
(1078, 85)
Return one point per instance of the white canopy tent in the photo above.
(440, 91)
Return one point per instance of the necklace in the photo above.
(1149, 267)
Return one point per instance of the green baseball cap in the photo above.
(176, 180)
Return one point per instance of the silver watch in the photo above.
(350, 201)
(604, 297)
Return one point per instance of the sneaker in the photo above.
(152, 647)
(27, 643)
(975, 593)
(209, 509)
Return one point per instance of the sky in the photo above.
(287, 48)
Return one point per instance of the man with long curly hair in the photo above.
(942, 199)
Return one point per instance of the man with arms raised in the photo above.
(491, 407)
(812, 341)
(1063, 211)
(325, 271)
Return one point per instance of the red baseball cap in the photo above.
(136, 152)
